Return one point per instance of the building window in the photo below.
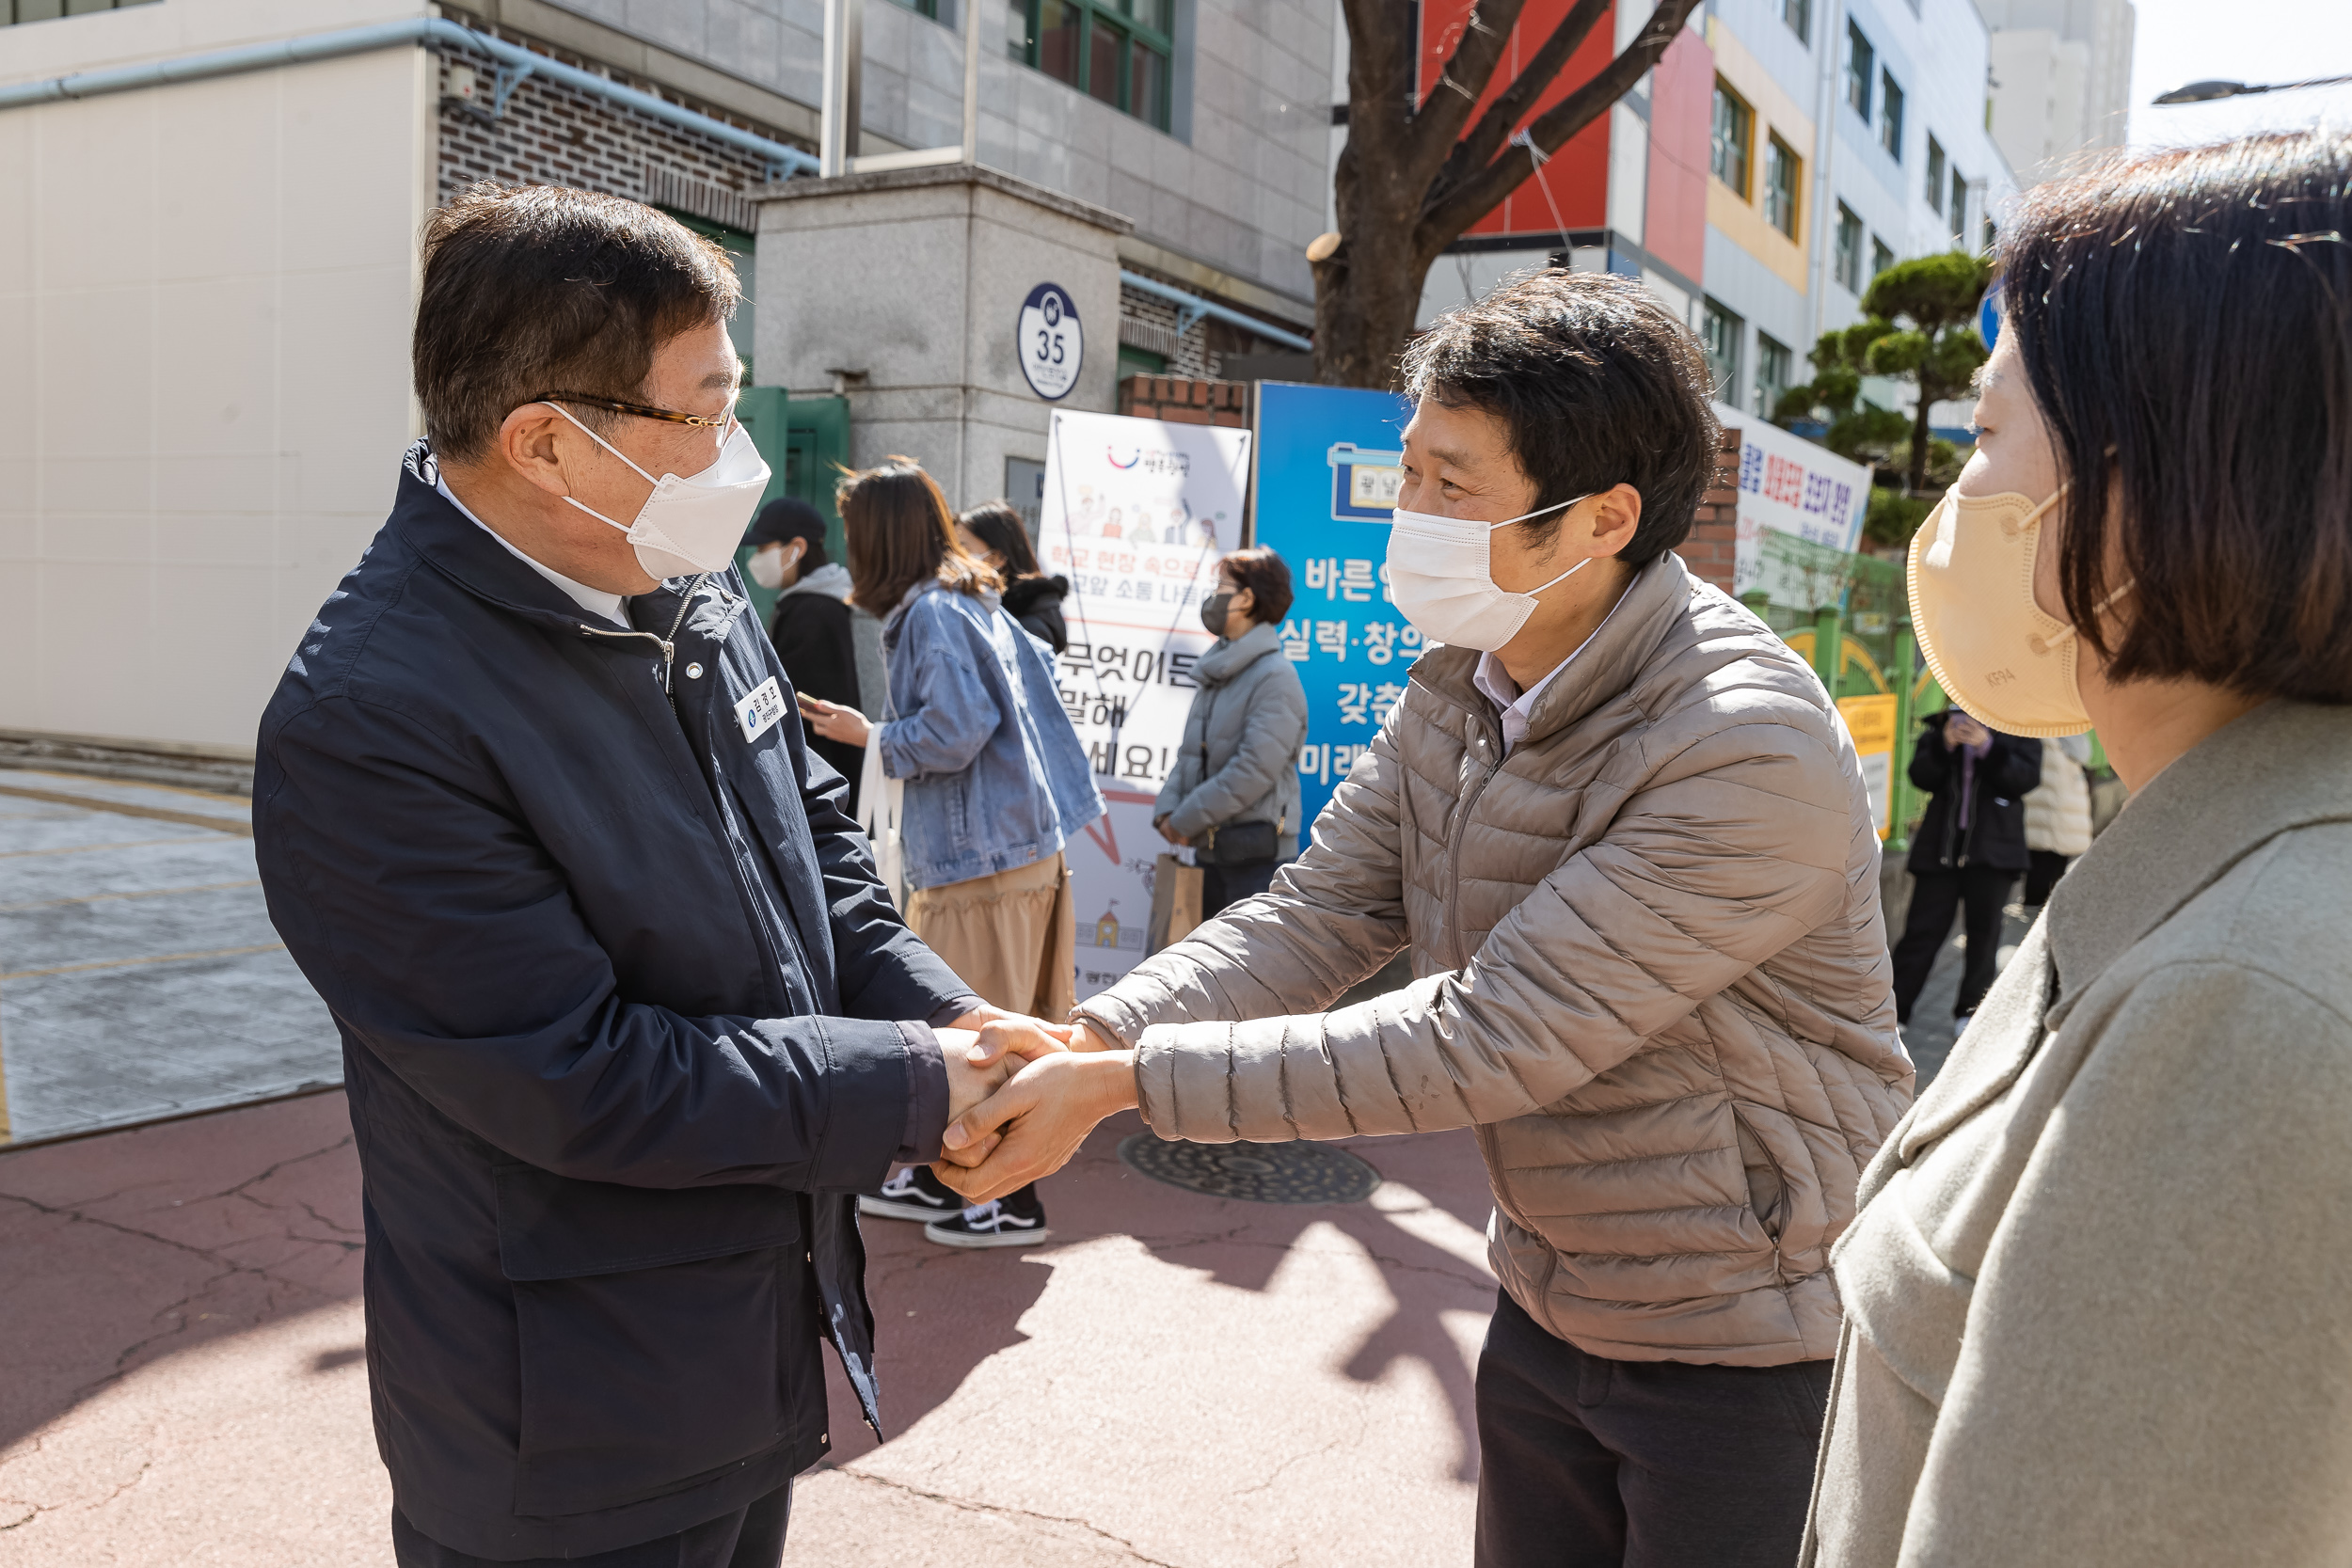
(1861, 63)
(1116, 50)
(1735, 139)
(922, 8)
(1936, 173)
(1799, 15)
(1992, 235)
(1773, 363)
(48, 10)
(1960, 211)
(1720, 331)
(1781, 180)
(1891, 114)
(1881, 258)
(1849, 250)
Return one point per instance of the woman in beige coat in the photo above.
(2099, 1298)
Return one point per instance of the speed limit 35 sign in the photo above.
(1051, 344)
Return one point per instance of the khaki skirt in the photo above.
(1012, 936)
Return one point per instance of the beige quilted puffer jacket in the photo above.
(1651, 969)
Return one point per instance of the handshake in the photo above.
(1022, 1096)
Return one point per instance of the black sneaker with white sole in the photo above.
(1017, 1219)
(914, 1194)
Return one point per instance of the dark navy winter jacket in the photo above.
(627, 1018)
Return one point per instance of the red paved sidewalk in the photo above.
(1173, 1379)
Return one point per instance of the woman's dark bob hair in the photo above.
(900, 532)
(2185, 319)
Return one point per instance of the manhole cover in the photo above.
(1254, 1173)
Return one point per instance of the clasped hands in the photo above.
(1022, 1096)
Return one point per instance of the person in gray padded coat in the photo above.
(1233, 793)
(1626, 836)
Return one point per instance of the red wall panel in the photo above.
(1682, 92)
(1571, 191)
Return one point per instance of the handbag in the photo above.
(880, 809)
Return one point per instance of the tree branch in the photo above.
(1494, 128)
(1448, 211)
(1468, 71)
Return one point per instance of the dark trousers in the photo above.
(1221, 885)
(1934, 897)
(2044, 867)
(751, 1537)
(1589, 1462)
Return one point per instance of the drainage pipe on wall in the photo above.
(1199, 307)
(782, 157)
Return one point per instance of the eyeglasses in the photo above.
(702, 421)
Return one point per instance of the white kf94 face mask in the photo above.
(691, 523)
(1441, 570)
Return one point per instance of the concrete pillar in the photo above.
(903, 289)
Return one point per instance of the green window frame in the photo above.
(1849, 250)
(1120, 52)
(1720, 330)
(1731, 148)
(1784, 174)
(1775, 367)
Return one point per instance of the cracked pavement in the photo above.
(1172, 1379)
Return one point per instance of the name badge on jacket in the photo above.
(758, 712)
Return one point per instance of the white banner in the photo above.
(1792, 485)
(1136, 515)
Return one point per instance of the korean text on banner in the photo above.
(1790, 485)
(1871, 722)
(1328, 467)
(1135, 514)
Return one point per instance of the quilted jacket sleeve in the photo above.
(1730, 848)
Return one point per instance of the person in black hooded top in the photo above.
(994, 531)
(811, 630)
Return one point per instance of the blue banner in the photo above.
(1328, 473)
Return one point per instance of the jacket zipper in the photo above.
(1453, 851)
(667, 644)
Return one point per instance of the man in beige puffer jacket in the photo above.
(1638, 875)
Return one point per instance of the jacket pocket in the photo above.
(650, 1326)
(1768, 1189)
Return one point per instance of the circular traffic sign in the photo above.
(1051, 344)
(1989, 317)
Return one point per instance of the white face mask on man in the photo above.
(691, 523)
(1441, 571)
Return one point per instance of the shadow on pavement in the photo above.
(1424, 1229)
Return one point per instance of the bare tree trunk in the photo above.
(1919, 439)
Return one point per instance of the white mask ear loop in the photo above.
(1543, 511)
(602, 442)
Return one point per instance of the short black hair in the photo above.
(539, 288)
(1267, 577)
(786, 518)
(1600, 386)
(2185, 318)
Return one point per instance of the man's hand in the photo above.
(1961, 730)
(1167, 833)
(1051, 1105)
(834, 721)
(969, 1082)
(1003, 1034)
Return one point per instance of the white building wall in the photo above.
(2062, 72)
(204, 315)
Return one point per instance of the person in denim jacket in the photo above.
(996, 783)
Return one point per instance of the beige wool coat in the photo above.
(1651, 969)
(2098, 1302)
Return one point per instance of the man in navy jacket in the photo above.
(628, 1018)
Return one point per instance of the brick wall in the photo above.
(554, 135)
(1712, 550)
(1183, 401)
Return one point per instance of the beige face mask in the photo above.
(1987, 643)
